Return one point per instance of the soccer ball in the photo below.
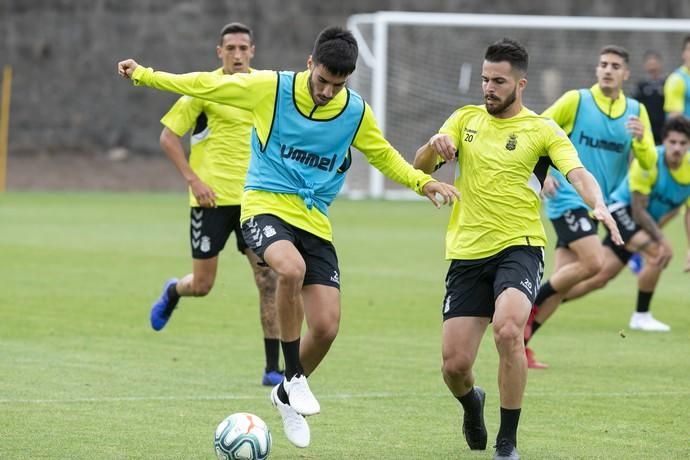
(242, 436)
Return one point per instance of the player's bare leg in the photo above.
(512, 310)
(589, 260)
(611, 267)
(461, 339)
(200, 282)
(265, 280)
(289, 266)
(322, 312)
(647, 281)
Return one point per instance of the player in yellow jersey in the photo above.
(304, 125)
(606, 127)
(495, 238)
(215, 173)
(677, 86)
(641, 205)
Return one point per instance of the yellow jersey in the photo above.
(219, 144)
(676, 91)
(501, 167)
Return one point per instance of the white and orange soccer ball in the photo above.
(242, 436)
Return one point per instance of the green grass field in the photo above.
(82, 376)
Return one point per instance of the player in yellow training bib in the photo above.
(677, 86)
(495, 238)
(641, 205)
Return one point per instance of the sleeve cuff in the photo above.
(139, 74)
(421, 182)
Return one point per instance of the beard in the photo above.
(502, 106)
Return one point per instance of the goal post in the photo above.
(415, 68)
(5, 123)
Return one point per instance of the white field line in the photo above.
(341, 396)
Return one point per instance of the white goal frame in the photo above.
(374, 54)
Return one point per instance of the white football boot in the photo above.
(295, 426)
(646, 322)
(301, 398)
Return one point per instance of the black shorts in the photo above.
(622, 214)
(210, 228)
(573, 225)
(319, 255)
(472, 286)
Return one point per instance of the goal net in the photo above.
(415, 69)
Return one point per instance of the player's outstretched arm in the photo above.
(240, 90)
(587, 187)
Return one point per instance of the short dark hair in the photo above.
(651, 53)
(686, 40)
(236, 28)
(618, 50)
(509, 50)
(336, 49)
(679, 123)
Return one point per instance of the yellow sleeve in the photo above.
(382, 155)
(674, 94)
(560, 149)
(564, 110)
(645, 150)
(241, 90)
(183, 114)
(452, 127)
(641, 180)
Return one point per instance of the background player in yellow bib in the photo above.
(216, 173)
(495, 237)
(677, 86)
(606, 127)
(641, 205)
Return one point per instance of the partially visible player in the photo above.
(304, 125)
(604, 125)
(495, 239)
(216, 173)
(677, 86)
(640, 205)
(649, 90)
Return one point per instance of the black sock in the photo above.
(272, 350)
(282, 395)
(643, 300)
(173, 298)
(172, 293)
(545, 291)
(293, 366)
(509, 424)
(470, 402)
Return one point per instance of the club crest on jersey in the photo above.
(512, 142)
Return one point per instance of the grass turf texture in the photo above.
(83, 376)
